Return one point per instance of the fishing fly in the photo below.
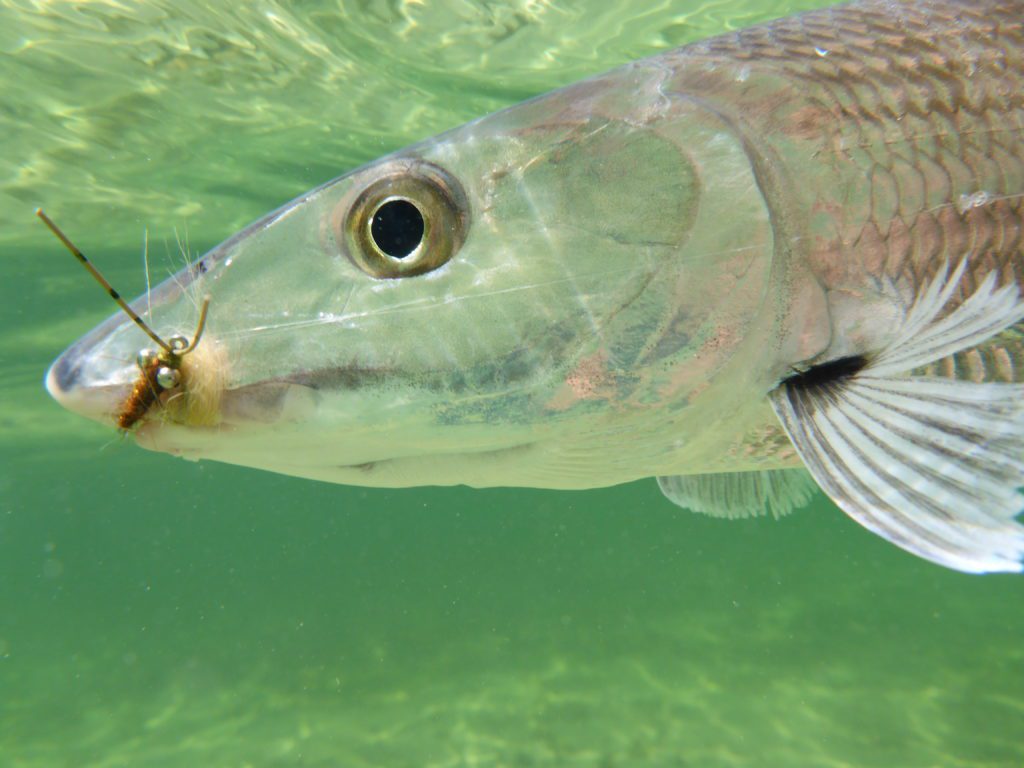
(164, 373)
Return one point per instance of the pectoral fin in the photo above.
(740, 494)
(932, 464)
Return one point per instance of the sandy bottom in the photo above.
(513, 702)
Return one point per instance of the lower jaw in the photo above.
(233, 444)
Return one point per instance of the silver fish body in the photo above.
(624, 278)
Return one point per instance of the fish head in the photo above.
(535, 298)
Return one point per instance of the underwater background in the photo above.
(158, 613)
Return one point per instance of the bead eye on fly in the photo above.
(160, 370)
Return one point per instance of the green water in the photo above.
(158, 613)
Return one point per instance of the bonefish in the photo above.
(785, 257)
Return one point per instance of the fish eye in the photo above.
(397, 227)
(411, 219)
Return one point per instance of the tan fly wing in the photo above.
(932, 464)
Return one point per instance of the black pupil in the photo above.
(397, 228)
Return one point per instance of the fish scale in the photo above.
(908, 109)
(913, 118)
(999, 359)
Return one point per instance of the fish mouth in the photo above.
(89, 383)
(94, 377)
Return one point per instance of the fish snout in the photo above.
(95, 375)
(71, 384)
